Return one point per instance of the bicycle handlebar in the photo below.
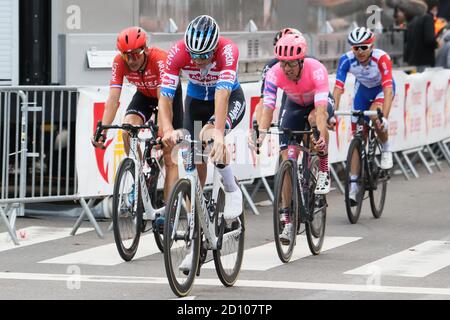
(358, 113)
(127, 127)
(180, 140)
(286, 131)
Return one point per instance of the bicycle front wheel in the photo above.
(230, 251)
(127, 221)
(354, 182)
(285, 210)
(315, 225)
(181, 240)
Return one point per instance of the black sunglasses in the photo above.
(363, 48)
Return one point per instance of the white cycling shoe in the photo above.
(323, 183)
(186, 264)
(285, 236)
(352, 195)
(386, 160)
(233, 204)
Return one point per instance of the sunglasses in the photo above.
(203, 56)
(361, 48)
(291, 63)
(132, 55)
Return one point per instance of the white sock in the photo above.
(386, 146)
(229, 183)
(353, 185)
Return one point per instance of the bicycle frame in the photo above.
(206, 208)
(150, 213)
(303, 176)
(369, 143)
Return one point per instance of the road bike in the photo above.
(137, 203)
(295, 202)
(369, 176)
(194, 225)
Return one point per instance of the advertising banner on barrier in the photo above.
(437, 84)
(340, 139)
(415, 111)
(397, 113)
(96, 168)
(446, 133)
(420, 115)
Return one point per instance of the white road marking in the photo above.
(419, 261)
(265, 257)
(106, 255)
(239, 284)
(34, 235)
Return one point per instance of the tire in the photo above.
(353, 212)
(127, 225)
(377, 191)
(315, 228)
(288, 171)
(181, 282)
(228, 259)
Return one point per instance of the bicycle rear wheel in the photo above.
(315, 226)
(182, 239)
(354, 154)
(127, 222)
(377, 191)
(285, 210)
(228, 256)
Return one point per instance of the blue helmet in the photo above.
(202, 35)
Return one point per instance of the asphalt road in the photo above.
(403, 255)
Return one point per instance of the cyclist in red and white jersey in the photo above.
(215, 100)
(143, 67)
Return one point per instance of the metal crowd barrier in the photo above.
(37, 143)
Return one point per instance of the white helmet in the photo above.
(202, 35)
(361, 35)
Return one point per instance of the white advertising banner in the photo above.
(437, 84)
(415, 111)
(446, 133)
(340, 139)
(96, 168)
(420, 115)
(397, 113)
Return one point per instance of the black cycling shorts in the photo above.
(145, 107)
(198, 113)
(294, 116)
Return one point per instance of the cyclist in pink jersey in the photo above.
(305, 82)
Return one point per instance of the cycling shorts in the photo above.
(198, 113)
(145, 107)
(294, 116)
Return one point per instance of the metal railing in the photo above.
(37, 143)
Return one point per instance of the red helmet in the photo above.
(280, 34)
(291, 47)
(131, 39)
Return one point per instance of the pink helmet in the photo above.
(291, 47)
(280, 34)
